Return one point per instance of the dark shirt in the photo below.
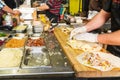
(113, 6)
(10, 3)
(96, 4)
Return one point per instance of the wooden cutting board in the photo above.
(80, 70)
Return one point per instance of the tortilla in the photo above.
(99, 60)
(85, 46)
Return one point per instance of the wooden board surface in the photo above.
(80, 70)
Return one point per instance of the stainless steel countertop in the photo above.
(60, 65)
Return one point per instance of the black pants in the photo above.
(52, 16)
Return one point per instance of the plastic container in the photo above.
(37, 27)
(8, 20)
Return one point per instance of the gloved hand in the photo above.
(90, 37)
(91, 14)
(77, 31)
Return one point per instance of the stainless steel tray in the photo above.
(35, 42)
(36, 57)
(17, 30)
(58, 63)
(15, 42)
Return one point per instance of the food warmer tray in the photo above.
(36, 57)
(59, 64)
(20, 28)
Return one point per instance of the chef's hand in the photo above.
(77, 31)
(90, 37)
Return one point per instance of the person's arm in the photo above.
(7, 9)
(43, 7)
(4, 7)
(111, 38)
(46, 6)
(98, 20)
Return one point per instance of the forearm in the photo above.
(7, 9)
(110, 39)
(43, 7)
(97, 21)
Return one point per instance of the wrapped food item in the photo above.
(99, 60)
(85, 46)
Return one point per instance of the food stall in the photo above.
(29, 50)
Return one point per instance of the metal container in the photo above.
(36, 35)
(36, 57)
(20, 29)
(37, 27)
(42, 61)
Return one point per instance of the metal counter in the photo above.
(60, 66)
